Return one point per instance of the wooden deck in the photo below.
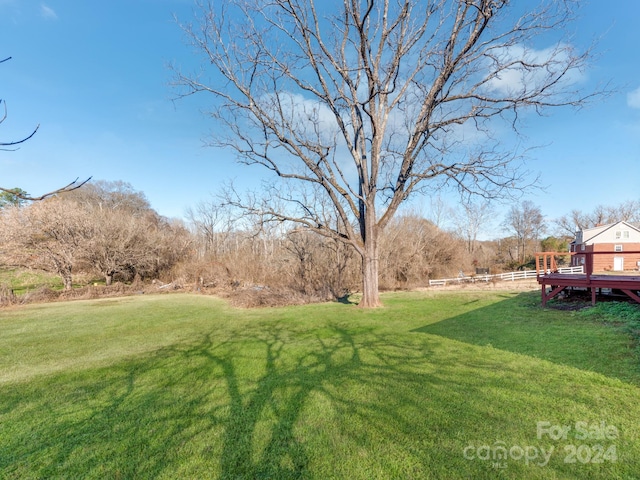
(548, 276)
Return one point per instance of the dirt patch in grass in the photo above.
(518, 285)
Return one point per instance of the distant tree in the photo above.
(119, 243)
(577, 220)
(526, 222)
(112, 195)
(51, 235)
(413, 249)
(366, 101)
(570, 223)
(554, 244)
(440, 213)
(127, 237)
(211, 224)
(172, 244)
(12, 198)
(110, 230)
(470, 219)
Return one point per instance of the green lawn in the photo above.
(22, 280)
(430, 386)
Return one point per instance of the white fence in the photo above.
(510, 276)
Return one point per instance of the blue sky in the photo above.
(94, 75)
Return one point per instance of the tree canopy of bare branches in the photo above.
(569, 224)
(369, 102)
(50, 235)
(527, 223)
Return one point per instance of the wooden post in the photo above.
(589, 265)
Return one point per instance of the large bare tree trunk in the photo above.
(370, 262)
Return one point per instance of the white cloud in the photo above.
(48, 12)
(633, 98)
(508, 76)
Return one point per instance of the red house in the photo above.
(618, 238)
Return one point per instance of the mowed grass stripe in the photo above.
(182, 386)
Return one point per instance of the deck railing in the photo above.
(546, 261)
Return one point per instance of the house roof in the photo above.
(588, 234)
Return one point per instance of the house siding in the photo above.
(605, 263)
(605, 238)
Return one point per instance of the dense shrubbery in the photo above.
(104, 229)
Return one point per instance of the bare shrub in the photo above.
(7, 296)
(272, 297)
(40, 295)
(206, 272)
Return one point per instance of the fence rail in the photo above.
(509, 276)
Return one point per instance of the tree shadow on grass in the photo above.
(271, 400)
(346, 299)
(233, 404)
(519, 324)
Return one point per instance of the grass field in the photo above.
(434, 385)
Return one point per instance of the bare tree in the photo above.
(628, 211)
(70, 187)
(576, 220)
(118, 242)
(470, 220)
(110, 230)
(127, 237)
(112, 195)
(439, 212)
(526, 222)
(211, 223)
(51, 235)
(373, 101)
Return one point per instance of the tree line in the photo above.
(107, 231)
(105, 228)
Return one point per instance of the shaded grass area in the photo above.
(624, 315)
(184, 387)
(575, 338)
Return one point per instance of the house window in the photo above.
(582, 247)
(622, 234)
(618, 248)
(625, 234)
